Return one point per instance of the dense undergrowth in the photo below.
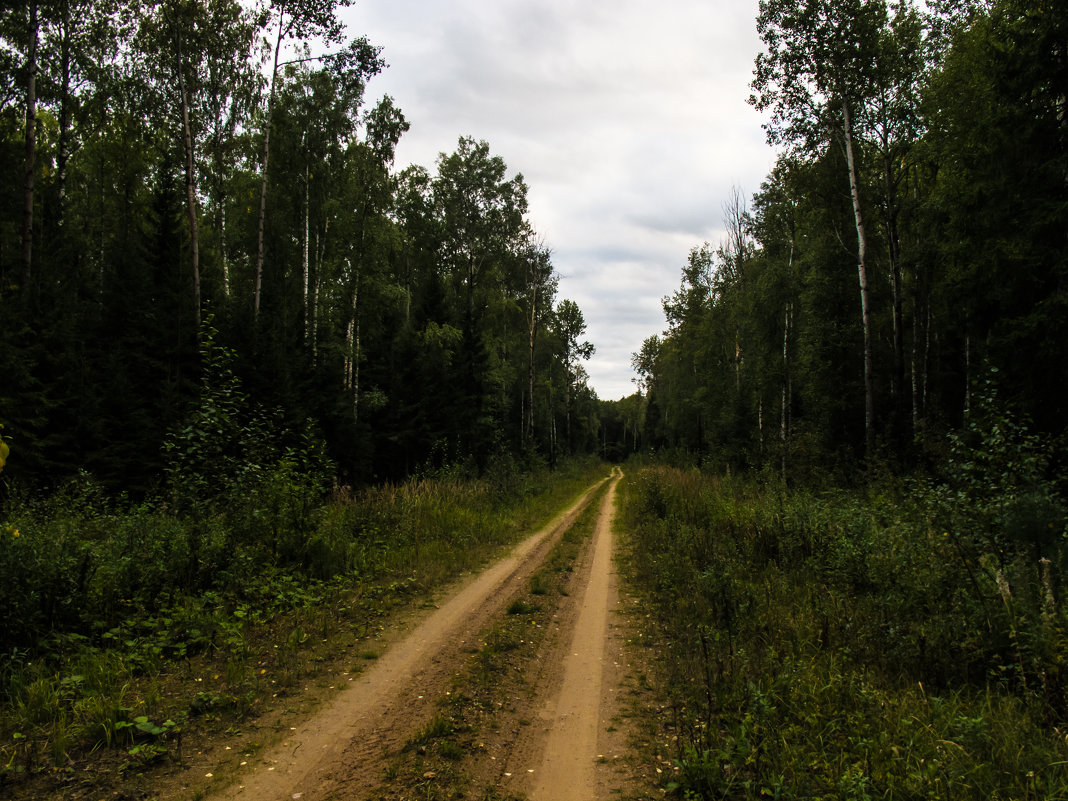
(243, 560)
(907, 640)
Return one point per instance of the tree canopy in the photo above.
(937, 135)
(205, 171)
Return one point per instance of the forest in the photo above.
(188, 177)
(908, 250)
(853, 538)
(259, 389)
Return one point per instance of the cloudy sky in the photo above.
(627, 118)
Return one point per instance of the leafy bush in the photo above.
(227, 446)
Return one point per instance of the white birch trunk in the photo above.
(222, 250)
(190, 186)
(304, 258)
(263, 181)
(29, 166)
(862, 276)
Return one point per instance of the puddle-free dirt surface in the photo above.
(559, 755)
(574, 713)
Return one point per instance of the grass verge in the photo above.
(843, 646)
(126, 697)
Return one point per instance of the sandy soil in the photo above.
(340, 752)
(574, 717)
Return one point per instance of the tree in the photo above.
(30, 163)
(818, 69)
(644, 364)
(894, 126)
(540, 288)
(570, 326)
(479, 226)
(998, 128)
(301, 20)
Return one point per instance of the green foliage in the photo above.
(226, 448)
(101, 596)
(846, 645)
(946, 123)
(398, 314)
(1000, 491)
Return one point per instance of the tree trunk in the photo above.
(222, 248)
(531, 335)
(894, 253)
(893, 244)
(316, 284)
(190, 186)
(784, 420)
(967, 374)
(921, 331)
(263, 181)
(567, 414)
(530, 388)
(31, 152)
(304, 255)
(737, 363)
(352, 357)
(862, 275)
(760, 424)
(65, 114)
(552, 429)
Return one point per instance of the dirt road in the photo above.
(340, 753)
(574, 711)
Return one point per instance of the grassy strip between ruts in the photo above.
(457, 754)
(461, 752)
(129, 712)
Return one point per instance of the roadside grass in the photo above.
(851, 645)
(169, 632)
(455, 755)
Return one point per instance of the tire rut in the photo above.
(560, 758)
(337, 754)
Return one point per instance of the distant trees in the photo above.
(938, 138)
(180, 169)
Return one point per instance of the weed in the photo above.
(439, 727)
(450, 750)
(500, 640)
(522, 607)
(840, 645)
(539, 583)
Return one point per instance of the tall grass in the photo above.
(848, 645)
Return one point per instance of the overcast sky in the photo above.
(627, 118)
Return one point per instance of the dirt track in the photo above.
(339, 754)
(576, 710)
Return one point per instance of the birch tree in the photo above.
(570, 326)
(817, 72)
(299, 20)
(30, 160)
(539, 292)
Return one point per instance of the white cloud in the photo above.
(628, 120)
